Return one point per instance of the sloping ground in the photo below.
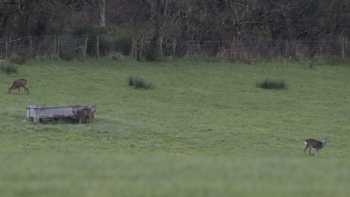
(204, 130)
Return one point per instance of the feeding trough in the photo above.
(75, 113)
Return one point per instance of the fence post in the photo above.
(85, 46)
(343, 47)
(6, 48)
(133, 47)
(97, 46)
(31, 46)
(58, 46)
(174, 45)
(346, 45)
(55, 46)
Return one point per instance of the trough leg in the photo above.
(36, 119)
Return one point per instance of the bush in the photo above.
(272, 84)
(111, 38)
(111, 43)
(139, 83)
(67, 56)
(18, 59)
(8, 68)
(117, 56)
(151, 53)
(86, 30)
(68, 53)
(106, 45)
(123, 45)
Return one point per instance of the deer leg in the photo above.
(317, 151)
(80, 119)
(26, 89)
(306, 147)
(310, 151)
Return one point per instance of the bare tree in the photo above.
(102, 12)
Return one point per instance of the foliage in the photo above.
(117, 56)
(139, 83)
(122, 36)
(123, 45)
(87, 30)
(106, 45)
(8, 68)
(170, 21)
(272, 84)
(18, 59)
(67, 55)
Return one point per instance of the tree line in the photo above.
(154, 28)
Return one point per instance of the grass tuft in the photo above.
(139, 83)
(8, 68)
(272, 84)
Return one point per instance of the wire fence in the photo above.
(47, 46)
(269, 49)
(82, 46)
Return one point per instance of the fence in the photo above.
(47, 46)
(254, 49)
(82, 46)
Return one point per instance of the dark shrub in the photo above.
(152, 51)
(18, 59)
(117, 56)
(68, 53)
(123, 45)
(150, 55)
(106, 45)
(85, 30)
(122, 38)
(8, 68)
(131, 81)
(67, 56)
(272, 84)
(68, 49)
(139, 83)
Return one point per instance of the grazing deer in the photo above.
(85, 115)
(18, 84)
(314, 144)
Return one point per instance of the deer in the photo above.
(311, 143)
(18, 84)
(84, 115)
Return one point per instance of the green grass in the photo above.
(204, 130)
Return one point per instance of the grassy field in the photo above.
(204, 130)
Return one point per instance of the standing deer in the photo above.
(18, 84)
(314, 144)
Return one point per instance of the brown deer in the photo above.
(85, 114)
(18, 84)
(314, 144)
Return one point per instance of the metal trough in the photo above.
(74, 113)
